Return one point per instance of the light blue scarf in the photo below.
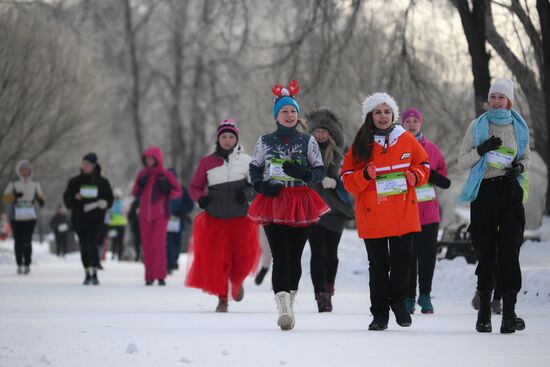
(480, 133)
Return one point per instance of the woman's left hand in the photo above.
(296, 170)
(164, 185)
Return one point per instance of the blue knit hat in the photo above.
(285, 96)
(90, 157)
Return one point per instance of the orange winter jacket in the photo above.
(387, 216)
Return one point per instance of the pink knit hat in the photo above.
(228, 126)
(412, 112)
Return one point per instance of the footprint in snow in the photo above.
(185, 360)
(132, 349)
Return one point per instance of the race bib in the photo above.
(112, 233)
(425, 193)
(174, 225)
(62, 228)
(24, 211)
(88, 192)
(501, 158)
(276, 170)
(391, 184)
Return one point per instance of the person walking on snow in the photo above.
(23, 194)
(283, 164)
(425, 242)
(324, 236)
(154, 186)
(496, 151)
(88, 196)
(60, 226)
(179, 209)
(381, 170)
(117, 225)
(226, 248)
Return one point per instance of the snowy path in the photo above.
(49, 319)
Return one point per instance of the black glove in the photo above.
(298, 171)
(164, 185)
(240, 196)
(39, 200)
(18, 195)
(439, 180)
(267, 188)
(203, 202)
(490, 144)
(514, 171)
(143, 181)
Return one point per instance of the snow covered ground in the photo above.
(49, 319)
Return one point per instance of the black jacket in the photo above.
(340, 211)
(94, 219)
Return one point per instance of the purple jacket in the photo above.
(429, 210)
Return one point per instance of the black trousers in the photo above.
(423, 262)
(89, 244)
(389, 271)
(61, 240)
(287, 245)
(22, 235)
(497, 225)
(117, 242)
(324, 257)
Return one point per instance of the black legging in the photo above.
(89, 240)
(388, 270)
(324, 257)
(22, 235)
(287, 244)
(423, 261)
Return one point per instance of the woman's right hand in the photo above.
(369, 172)
(203, 202)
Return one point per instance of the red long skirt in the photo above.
(223, 253)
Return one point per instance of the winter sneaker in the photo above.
(425, 302)
(379, 322)
(402, 316)
(223, 305)
(323, 302)
(511, 324)
(19, 270)
(148, 282)
(483, 324)
(239, 297)
(496, 306)
(286, 319)
(26, 269)
(88, 279)
(476, 301)
(95, 281)
(330, 288)
(260, 276)
(410, 305)
(162, 282)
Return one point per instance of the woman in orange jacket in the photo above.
(380, 170)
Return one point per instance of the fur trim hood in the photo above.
(325, 118)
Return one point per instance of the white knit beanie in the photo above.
(378, 98)
(503, 86)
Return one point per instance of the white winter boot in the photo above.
(286, 319)
(293, 295)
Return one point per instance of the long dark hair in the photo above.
(361, 148)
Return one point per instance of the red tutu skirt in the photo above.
(294, 206)
(222, 254)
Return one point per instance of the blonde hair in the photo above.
(331, 152)
(303, 124)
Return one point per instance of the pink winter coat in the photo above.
(429, 210)
(152, 202)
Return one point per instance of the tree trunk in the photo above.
(543, 8)
(473, 23)
(135, 93)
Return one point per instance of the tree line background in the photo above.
(115, 76)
